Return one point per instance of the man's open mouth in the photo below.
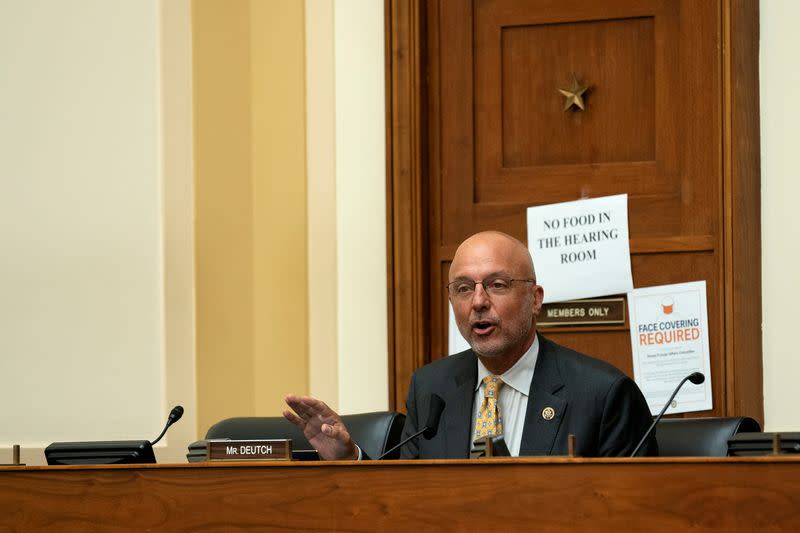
(483, 327)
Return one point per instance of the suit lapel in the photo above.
(538, 435)
(458, 411)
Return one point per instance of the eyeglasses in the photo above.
(463, 289)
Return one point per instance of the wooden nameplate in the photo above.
(249, 450)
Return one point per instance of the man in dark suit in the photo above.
(512, 382)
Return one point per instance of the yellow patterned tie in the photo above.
(489, 423)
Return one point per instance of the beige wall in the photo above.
(323, 326)
(252, 324)
(361, 205)
(347, 204)
(88, 217)
(280, 288)
(780, 190)
(223, 210)
(178, 239)
(285, 248)
(269, 247)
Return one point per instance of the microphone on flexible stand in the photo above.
(431, 427)
(174, 416)
(695, 377)
(108, 452)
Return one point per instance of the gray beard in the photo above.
(503, 349)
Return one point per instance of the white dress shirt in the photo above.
(513, 401)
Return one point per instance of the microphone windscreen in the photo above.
(175, 414)
(434, 414)
(697, 378)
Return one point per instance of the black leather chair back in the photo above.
(700, 437)
(373, 432)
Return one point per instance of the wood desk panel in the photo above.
(543, 494)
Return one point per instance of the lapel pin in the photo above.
(548, 413)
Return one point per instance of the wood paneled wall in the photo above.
(477, 133)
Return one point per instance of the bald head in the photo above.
(495, 298)
(490, 246)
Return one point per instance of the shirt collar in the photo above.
(519, 376)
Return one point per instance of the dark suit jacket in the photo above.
(593, 400)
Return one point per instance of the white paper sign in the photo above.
(455, 342)
(669, 338)
(580, 249)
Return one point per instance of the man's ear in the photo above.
(538, 297)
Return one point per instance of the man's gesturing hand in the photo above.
(322, 427)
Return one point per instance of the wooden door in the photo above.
(493, 138)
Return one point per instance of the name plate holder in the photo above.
(249, 450)
(592, 312)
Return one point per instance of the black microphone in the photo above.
(431, 427)
(108, 452)
(695, 377)
(434, 415)
(174, 416)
